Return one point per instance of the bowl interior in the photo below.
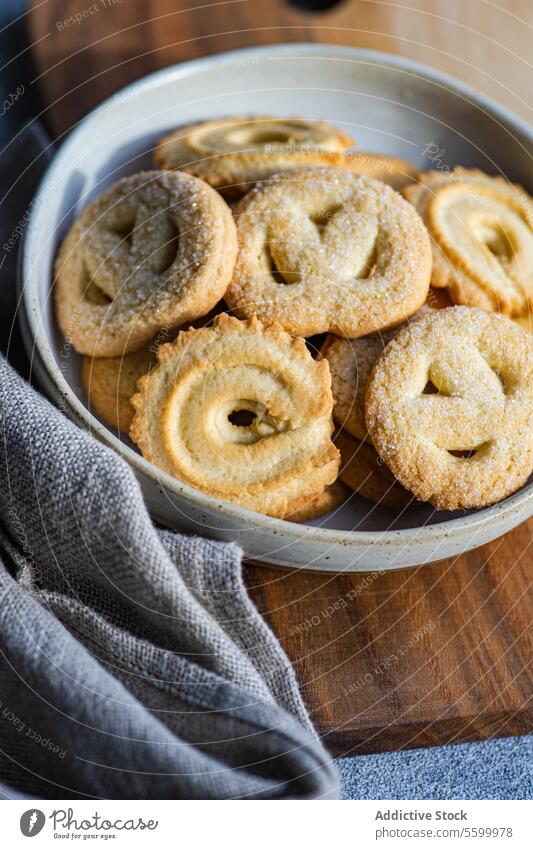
(387, 105)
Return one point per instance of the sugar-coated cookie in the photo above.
(155, 250)
(449, 407)
(327, 250)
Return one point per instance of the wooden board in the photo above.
(431, 655)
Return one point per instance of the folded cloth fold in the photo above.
(132, 662)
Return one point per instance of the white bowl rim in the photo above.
(328, 536)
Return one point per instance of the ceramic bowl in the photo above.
(389, 105)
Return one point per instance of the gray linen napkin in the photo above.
(132, 661)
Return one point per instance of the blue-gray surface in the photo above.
(498, 769)
(495, 769)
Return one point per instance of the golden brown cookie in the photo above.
(363, 470)
(110, 382)
(350, 363)
(392, 170)
(239, 411)
(326, 250)
(154, 251)
(314, 506)
(482, 237)
(449, 407)
(233, 153)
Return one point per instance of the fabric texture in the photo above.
(133, 664)
(132, 661)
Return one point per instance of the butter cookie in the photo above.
(482, 237)
(327, 250)
(241, 412)
(449, 407)
(233, 153)
(155, 250)
(391, 170)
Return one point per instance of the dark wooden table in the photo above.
(431, 655)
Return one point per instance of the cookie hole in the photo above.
(124, 231)
(166, 254)
(314, 6)
(95, 295)
(496, 240)
(463, 455)
(242, 418)
(275, 272)
(321, 218)
(245, 137)
(430, 389)
(468, 454)
(266, 136)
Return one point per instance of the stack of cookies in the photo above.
(278, 321)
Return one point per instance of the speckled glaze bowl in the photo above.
(390, 106)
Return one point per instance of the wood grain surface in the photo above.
(431, 655)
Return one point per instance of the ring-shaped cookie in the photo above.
(482, 237)
(326, 250)
(449, 407)
(241, 412)
(233, 153)
(154, 251)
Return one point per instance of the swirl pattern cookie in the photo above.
(233, 153)
(155, 250)
(326, 250)
(482, 235)
(363, 471)
(110, 382)
(350, 363)
(449, 407)
(241, 412)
